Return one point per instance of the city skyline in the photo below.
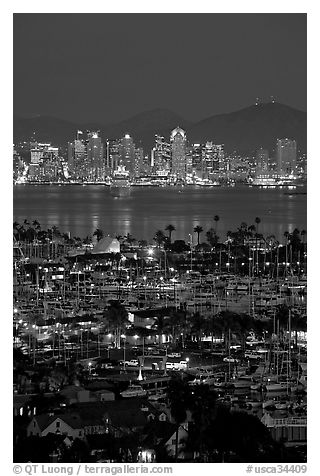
(92, 59)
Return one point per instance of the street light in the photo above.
(124, 351)
(145, 291)
(190, 236)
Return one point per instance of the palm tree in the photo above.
(198, 325)
(170, 229)
(257, 220)
(130, 239)
(36, 224)
(98, 233)
(303, 235)
(16, 231)
(251, 230)
(178, 324)
(162, 326)
(216, 219)
(212, 237)
(159, 238)
(287, 235)
(115, 318)
(198, 229)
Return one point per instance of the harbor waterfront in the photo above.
(160, 247)
(82, 209)
(100, 323)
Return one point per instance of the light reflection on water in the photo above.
(81, 210)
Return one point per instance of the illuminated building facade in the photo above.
(178, 145)
(286, 154)
(127, 153)
(138, 162)
(77, 158)
(45, 162)
(262, 162)
(95, 156)
(161, 155)
(197, 157)
(113, 148)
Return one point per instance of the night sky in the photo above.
(108, 67)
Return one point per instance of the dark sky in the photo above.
(108, 67)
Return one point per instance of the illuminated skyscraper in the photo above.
(138, 162)
(286, 156)
(95, 156)
(161, 154)
(127, 153)
(178, 145)
(262, 162)
(113, 148)
(77, 158)
(197, 157)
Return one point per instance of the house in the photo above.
(104, 395)
(22, 405)
(170, 444)
(68, 424)
(75, 394)
(123, 417)
(160, 437)
(92, 416)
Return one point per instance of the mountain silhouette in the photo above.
(244, 131)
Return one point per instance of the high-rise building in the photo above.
(286, 154)
(161, 154)
(212, 156)
(146, 165)
(138, 162)
(95, 156)
(77, 158)
(197, 158)
(189, 160)
(262, 162)
(127, 153)
(113, 148)
(178, 144)
(218, 156)
(44, 162)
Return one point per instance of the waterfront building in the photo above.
(18, 166)
(178, 144)
(127, 152)
(189, 160)
(138, 162)
(161, 155)
(146, 165)
(113, 154)
(302, 165)
(197, 164)
(95, 156)
(77, 158)
(44, 161)
(212, 155)
(262, 162)
(286, 154)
